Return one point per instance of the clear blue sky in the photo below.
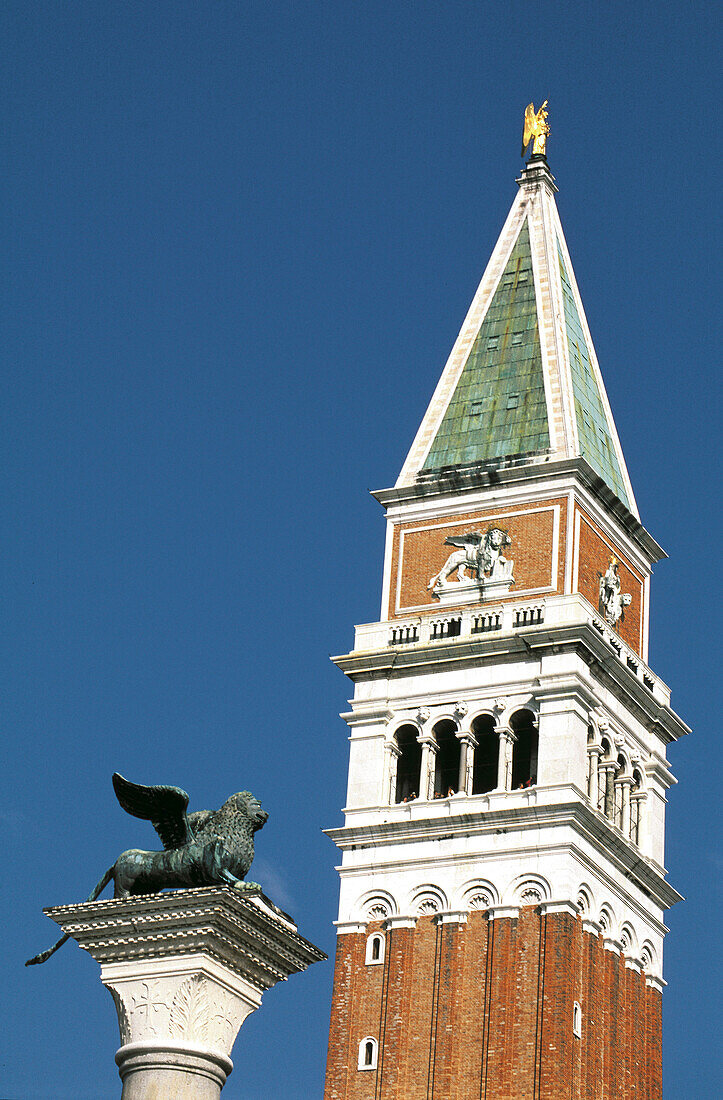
(237, 241)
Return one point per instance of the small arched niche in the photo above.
(409, 763)
(446, 764)
(486, 755)
(524, 751)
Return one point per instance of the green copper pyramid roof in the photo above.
(596, 444)
(498, 407)
(522, 380)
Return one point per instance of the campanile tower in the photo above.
(503, 892)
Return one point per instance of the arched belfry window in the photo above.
(368, 1049)
(524, 751)
(409, 764)
(486, 755)
(446, 764)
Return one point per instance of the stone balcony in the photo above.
(510, 618)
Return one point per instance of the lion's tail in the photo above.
(97, 889)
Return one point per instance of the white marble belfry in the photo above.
(185, 969)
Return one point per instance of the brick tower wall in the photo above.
(484, 1011)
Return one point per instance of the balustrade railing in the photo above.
(432, 627)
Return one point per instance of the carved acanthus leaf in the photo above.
(190, 1011)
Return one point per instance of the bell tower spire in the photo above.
(503, 887)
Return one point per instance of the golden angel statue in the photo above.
(536, 130)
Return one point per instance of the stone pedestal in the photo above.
(185, 969)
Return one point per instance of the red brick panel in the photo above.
(425, 552)
(594, 552)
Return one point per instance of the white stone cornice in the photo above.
(451, 916)
(349, 927)
(503, 912)
(591, 926)
(484, 815)
(611, 944)
(400, 921)
(549, 907)
(655, 982)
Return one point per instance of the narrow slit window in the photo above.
(367, 1053)
(577, 1020)
(375, 949)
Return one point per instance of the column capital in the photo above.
(185, 969)
(467, 738)
(429, 740)
(507, 733)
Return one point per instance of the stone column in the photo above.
(609, 803)
(426, 771)
(504, 760)
(625, 785)
(467, 745)
(638, 801)
(593, 754)
(185, 969)
(392, 759)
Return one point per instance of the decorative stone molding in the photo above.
(479, 895)
(460, 709)
(400, 921)
(584, 901)
(611, 944)
(498, 912)
(423, 715)
(547, 907)
(349, 927)
(376, 906)
(184, 970)
(451, 916)
(591, 926)
(428, 900)
(528, 889)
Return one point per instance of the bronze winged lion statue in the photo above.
(206, 848)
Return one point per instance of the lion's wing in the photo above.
(164, 807)
(464, 541)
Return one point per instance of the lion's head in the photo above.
(249, 804)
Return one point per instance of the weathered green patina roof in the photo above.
(498, 407)
(596, 444)
(522, 380)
